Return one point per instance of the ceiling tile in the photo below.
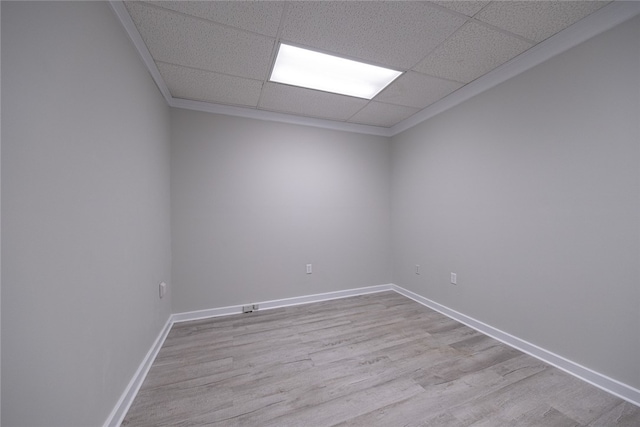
(537, 20)
(182, 40)
(380, 114)
(471, 52)
(260, 17)
(307, 102)
(394, 34)
(221, 51)
(188, 83)
(417, 90)
(468, 8)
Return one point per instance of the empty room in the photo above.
(334, 213)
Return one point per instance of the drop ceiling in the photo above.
(218, 54)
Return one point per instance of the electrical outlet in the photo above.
(454, 279)
(309, 269)
(250, 308)
(162, 289)
(417, 269)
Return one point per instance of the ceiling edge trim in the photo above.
(600, 21)
(252, 113)
(121, 12)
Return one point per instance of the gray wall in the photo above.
(85, 213)
(529, 192)
(0, 231)
(254, 201)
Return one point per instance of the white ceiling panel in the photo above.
(261, 17)
(183, 40)
(393, 34)
(221, 52)
(468, 8)
(471, 52)
(537, 20)
(380, 114)
(310, 103)
(198, 85)
(417, 90)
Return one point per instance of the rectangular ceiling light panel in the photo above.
(314, 70)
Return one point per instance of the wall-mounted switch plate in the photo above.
(454, 279)
(309, 269)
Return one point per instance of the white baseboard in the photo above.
(599, 380)
(124, 403)
(284, 302)
(287, 302)
(120, 410)
(607, 384)
(205, 314)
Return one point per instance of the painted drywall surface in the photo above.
(529, 192)
(85, 212)
(0, 227)
(253, 202)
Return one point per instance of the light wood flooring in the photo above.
(373, 360)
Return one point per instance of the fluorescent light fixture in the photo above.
(315, 70)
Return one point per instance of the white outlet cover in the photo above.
(454, 278)
(163, 289)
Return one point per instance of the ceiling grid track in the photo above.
(218, 56)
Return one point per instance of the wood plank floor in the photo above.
(373, 360)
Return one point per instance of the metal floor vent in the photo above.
(250, 308)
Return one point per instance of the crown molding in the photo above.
(121, 12)
(598, 22)
(602, 20)
(277, 117)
